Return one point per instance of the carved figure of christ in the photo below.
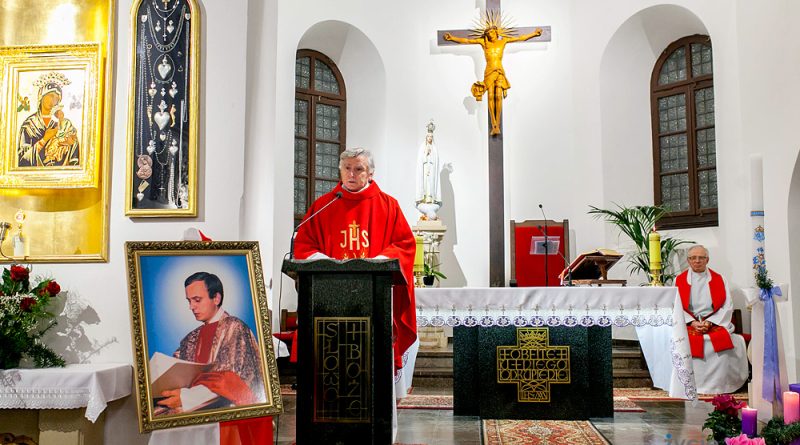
(493, 41)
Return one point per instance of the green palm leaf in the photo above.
(636, 223)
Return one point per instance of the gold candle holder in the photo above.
(655, 275)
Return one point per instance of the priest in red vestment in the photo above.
(223, 341)
(719, 357)
(364, 223)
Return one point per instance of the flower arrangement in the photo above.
(724, 420)
(763, 281)
(23, 312)
(742, 439)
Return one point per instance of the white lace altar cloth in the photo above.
(74, 386)
(650, 309)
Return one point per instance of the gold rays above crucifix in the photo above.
(492, 32)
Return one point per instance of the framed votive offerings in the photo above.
(161, 176)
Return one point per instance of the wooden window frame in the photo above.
(314, 97)
(694, 216)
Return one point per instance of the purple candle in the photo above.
(795, 387)
(749, 419)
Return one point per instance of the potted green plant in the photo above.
(430, 273)
(636, 223)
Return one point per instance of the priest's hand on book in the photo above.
(227, 384)
(172, 399)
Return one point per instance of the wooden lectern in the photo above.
(345, 360)
(592, 268)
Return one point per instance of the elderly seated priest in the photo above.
(719, 356)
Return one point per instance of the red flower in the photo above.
(727, 404)
(26, 304)
(19, 273)
(53, 288)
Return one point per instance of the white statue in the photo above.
(429, 193)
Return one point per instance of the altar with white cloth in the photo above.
(50, 401)
(650, 309)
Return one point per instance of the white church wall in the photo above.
(769, 116)
(569, 105)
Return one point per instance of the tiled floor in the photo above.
(671, 423)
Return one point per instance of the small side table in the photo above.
(61, 406)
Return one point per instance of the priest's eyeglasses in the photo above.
(697, 258)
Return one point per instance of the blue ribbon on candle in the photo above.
(771, 383)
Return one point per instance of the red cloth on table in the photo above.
(364, 225)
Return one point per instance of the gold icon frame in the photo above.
(20, 67)
(65, 225)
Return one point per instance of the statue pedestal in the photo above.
(431, 338)
(432, 233)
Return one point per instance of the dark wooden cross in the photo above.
(497, 235)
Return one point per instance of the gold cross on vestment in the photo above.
(533, 365)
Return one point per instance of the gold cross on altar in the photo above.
(533, 365)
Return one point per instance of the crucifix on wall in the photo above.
(492, 34)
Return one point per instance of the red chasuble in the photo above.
(365, 225)
(719, 335)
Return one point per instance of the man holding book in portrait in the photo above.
(221, 355)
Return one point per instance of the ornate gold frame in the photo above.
(137, 93)
(135, 251)
(82, 64)
(65, 224)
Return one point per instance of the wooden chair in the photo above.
(527, 257)
(288, 320)
(288, 333)
(736, 320)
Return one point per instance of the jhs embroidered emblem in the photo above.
(355, 241)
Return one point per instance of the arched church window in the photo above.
(319, 128)
(684, 143)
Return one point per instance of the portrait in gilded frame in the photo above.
(51, 122)
(201, 333)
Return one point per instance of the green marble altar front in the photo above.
(533, 372)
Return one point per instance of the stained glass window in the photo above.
(684, 141)
(319, 128)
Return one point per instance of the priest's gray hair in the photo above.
(356, 152)
(697, 246)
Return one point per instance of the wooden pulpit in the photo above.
(344, 366)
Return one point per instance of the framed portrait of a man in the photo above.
(50, 113)
(201, 333)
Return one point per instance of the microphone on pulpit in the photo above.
(296, 229)
(566, 263)
(546, 247)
